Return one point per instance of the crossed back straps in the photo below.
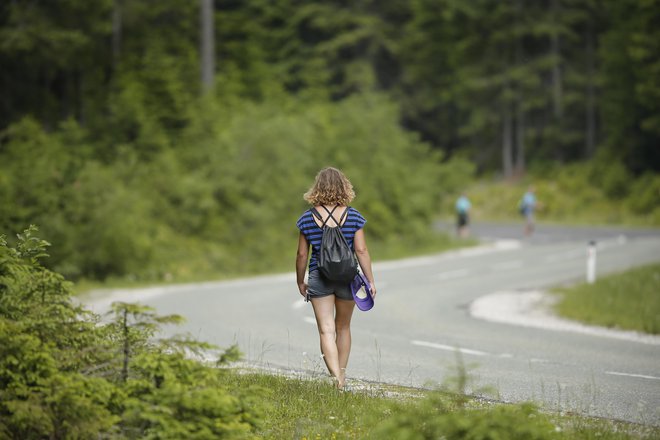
(330, 216)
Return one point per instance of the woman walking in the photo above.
(332, 300)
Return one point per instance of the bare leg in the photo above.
(324, 309)
(529, 225)
(343, 328)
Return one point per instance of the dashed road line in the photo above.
(641, 376)
(449, 348)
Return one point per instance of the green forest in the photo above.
(173, 139)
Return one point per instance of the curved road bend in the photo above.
(422, 318)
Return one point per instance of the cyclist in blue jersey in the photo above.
(463, 206)
(332, 301)
(528, 205)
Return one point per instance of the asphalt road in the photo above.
(421, 322)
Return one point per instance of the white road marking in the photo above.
(458, 273)
(642, 376)
(508, 265)
(499, 245)
(448, 348)
(309, 320)
(299, 304)
(508, 244)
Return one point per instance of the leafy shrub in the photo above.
(222, 196)
(113, 228)
(645, 197)
(611, 176)
(44, 340)
(102, 225)
(251, 168)
(435, 417)
(63, 374)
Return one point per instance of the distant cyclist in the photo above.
(463, 206)
(528, 205)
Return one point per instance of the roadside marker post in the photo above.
(591, 262)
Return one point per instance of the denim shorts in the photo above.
(318, 286)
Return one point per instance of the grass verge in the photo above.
(299, 408)
(627, 300)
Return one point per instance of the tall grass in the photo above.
(310, 408)
(628, 300)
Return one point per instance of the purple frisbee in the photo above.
(361, 290)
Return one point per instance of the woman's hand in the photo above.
(302, 287)
(301, 264)
(373, 289)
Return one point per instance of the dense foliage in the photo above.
(135, 167)
(226, 199)
(65, 373)
(545, 79)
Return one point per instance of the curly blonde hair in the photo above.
(331, 187)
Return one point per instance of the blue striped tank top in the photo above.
(313, 233)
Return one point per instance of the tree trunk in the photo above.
(590, 135)
(507, 142)
(78, 96)
(556, 67)
(127, 352)
(207, 46)
(116, 31)
(520, 138)
(519, 100)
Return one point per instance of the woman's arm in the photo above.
(360, 245)
(301, 264)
